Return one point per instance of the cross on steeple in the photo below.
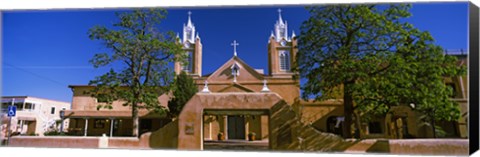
(189, 18)
(280, 20)
(234, 44)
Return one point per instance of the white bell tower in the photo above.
(281, 49)
(189, 30)
(193, 47)
(281, 28)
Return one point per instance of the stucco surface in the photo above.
(191, 116)
(429, 146)
(166, 137)
(285, 129)
(55, 142)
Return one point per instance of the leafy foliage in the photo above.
(183, 89)
(375, 60)
(143, 54)
(54, 132)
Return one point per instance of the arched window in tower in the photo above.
(284, 60)
(281, 34)
(189, 33)
(188, 67)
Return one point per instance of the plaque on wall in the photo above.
(189, 128)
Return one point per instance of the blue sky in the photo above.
(45, 51)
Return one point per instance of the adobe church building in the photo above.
(246, 86)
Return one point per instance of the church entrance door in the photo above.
(236, 127)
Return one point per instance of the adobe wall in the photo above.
(84, 102)
(54, 142)
(457, 147)
(316, 114)
(165, 137)
(312, 140)
(429, 146)
(129, 142)
(80, 142)
(287, 88)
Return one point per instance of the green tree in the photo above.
(183, 89)
(373, 59)
(140, 55)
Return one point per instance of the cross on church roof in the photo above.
(234, 44)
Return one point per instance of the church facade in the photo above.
(236, 76)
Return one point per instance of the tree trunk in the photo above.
(348, 111)
(135, 120)
(433, 125)
(358, 125)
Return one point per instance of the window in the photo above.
(284, 60)
(99, 123)
(29, 106)
(52, 111)
(235, 70)
(189, 32)
(281, 32)
(374, 128)
(19, 105)
(5, 106)
(188, 68)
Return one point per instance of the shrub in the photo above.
(54, 133)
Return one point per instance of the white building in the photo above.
(34, 115)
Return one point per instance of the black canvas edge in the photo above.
(473, 70)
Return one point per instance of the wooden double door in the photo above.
(236, 127)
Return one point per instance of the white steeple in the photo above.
(189, 24)
(280, 20)
(281, 28)
(189, 30)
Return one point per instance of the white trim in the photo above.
(86, 127)
(112, 120)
